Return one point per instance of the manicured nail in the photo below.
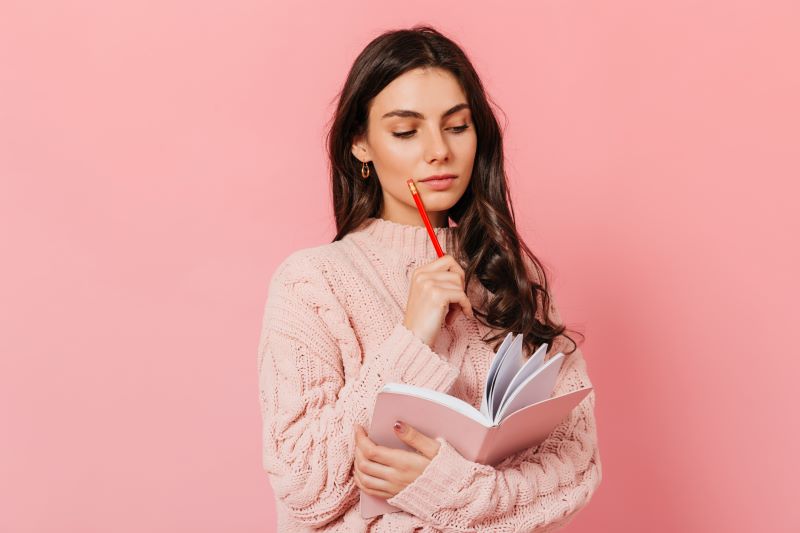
(399, 427)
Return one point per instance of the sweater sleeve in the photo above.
(538, 489)
(310, 403)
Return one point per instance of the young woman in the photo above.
(376, 305)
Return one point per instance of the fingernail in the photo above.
(399, 427)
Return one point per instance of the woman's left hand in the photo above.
(382, 471)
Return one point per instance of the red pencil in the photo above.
(424, 215)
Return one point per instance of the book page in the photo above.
(536, 388)
(490, 377)
(451, 402)
(533, 364)
(512, 361)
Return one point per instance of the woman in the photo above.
(376, 305)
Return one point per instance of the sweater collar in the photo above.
(405, 240)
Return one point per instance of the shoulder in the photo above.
(314, 270)
(314, 261)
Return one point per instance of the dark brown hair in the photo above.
(487, 244)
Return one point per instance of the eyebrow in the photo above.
(407, 113)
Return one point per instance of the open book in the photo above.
(517, 411)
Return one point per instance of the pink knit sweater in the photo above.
(332, 335)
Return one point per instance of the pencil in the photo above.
(424, 215)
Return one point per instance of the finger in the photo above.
(456, 278)
(455, 296)
(466, 305)
(372, 485)
(429, 285)
(383, 485)
(361, 434)
(443, 284)
(383, 455)
(426, 445)
(451, 315)
(378, 493)
(440, 263)
(444, 263)
(362, 440)
(366, 449)
(452, 264)
(372, 468)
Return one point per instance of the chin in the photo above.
(444, 202)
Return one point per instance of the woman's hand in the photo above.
(434, 287)
(382, 471)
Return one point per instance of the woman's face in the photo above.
(429, 109)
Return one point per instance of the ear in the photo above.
(359, 149)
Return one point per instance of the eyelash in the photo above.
(407, 134)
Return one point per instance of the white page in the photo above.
(531, 365)
(490, 377)
(496, 363)
(506, 370)
(451, 402)
(538, 387)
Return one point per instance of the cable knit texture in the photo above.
(332, 335)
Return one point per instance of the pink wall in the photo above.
(158, 159)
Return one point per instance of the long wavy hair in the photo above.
(487, 244)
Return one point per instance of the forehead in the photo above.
(429, 91)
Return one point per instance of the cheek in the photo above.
(466, 145)
(400, 155)
(396, 162)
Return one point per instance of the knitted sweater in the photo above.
(333, 334)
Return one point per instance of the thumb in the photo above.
(452, 314)
(420, 442)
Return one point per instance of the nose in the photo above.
(436, 148)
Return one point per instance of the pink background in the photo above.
(158, 159)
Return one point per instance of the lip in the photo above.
(439, 184)
(439, 177)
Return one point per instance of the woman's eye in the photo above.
(407, 134)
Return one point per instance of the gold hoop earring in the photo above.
(364, 170)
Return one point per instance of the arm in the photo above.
(536, 489)
(309, 408)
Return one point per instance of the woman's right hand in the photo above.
(436, 295)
